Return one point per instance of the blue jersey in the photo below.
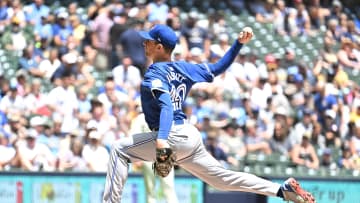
(175, 79)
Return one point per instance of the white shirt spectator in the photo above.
(19, 41)
(7, 153)
(39, 155)
(66, 103)
(96, 156)
(130, 77)
(227, 82)
(12, 103)
(48, 67)
(259, 97)
(246, 71)
(105, 125)
(120, 97)
(298, 132)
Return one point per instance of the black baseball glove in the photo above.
(165, 159)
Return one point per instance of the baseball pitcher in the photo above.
(173, 140)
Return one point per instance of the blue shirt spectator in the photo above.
(158, 11)
(61, 30)
(132, 45)
(3, 11)
(35, 11)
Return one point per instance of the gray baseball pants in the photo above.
(191, 155)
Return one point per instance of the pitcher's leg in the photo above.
(208, 169)
(134, 148)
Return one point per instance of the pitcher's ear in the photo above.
(159, 46)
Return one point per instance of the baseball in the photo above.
(247, 29)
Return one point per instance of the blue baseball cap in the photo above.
(162, 34)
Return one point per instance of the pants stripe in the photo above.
(112, 176)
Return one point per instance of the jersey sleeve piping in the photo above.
(208, 69)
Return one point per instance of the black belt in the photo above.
(175, 122)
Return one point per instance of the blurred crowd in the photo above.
(56, 115)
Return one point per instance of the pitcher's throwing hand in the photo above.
(245, 35)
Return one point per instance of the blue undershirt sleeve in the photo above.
(166, 114)
(220, 66)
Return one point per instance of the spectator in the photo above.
(35, 100)
(303, 21)
(12, 101)
(231, 141)
(15, 128)
(302, 127)
(304, 154)
(327, 159)
(30, 62)
(265, 12)
(100, 38)
(218, 153)
(44, 30)
(66, 139)
(112, 95)
(346, 161)
(195, 35)
(72, 159)
(104, 123)
(22, 82)
(317, 138)
(181, 47)
(120, 25)
(270, 65)
(260, 95)
(127, 75)
(48, 66)
(83, 76)
(68, 67)
(254, 142)
(352, 32)
(47, 138)
(84, 103)
(289, 62)
(7, 152)
(284, 18)
(333, 33)
(223, 45)
(15, 39)
(355, 111)
(330, 123)
(347, 56)
(62, 31)
(121, 114)
(355, 140)
(131, 44)
(94, 9)
(3, 14)
(226, 83)
(35, 156)
(94, 154)
(34, 12)
(57, 124)
(317, 15)
(62, 100)
(280, 142)
(16, 10)
(79, 29)
(335, 10)
(323, 100)
(158, 11)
